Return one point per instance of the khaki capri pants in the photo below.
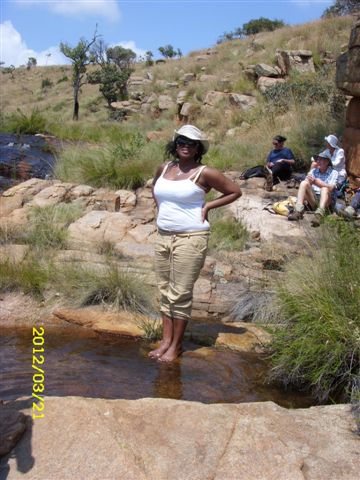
(178, 261)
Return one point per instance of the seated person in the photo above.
(318, 189)
(279, 162)
(354, 207)
(337, 158)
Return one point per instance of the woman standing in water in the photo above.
(179, 189)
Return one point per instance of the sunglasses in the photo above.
(182, 142)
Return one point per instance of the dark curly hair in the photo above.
(170, 151)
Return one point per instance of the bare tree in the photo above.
(80, 57)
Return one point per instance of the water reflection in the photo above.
(81, 362)
(168, 382)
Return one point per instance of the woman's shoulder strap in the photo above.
(165, 168)
(197, 174)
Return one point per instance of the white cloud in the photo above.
(14, 50)
(130, 44)
(108, 9)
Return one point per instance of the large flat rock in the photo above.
(160, 439)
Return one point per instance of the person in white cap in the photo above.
(337, 157)
(318, 189)
(179, 189)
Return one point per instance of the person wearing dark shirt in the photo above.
(279, 163)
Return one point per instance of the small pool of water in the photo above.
(82, 363)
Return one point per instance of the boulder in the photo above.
(128, 107)
(263, 70)
(249, 441)
(264, 83)
(207, 78)
(181, 97)
(212, 98)
(244, 102)
(295, 60)
(99, 226)
(250, 73)
(186, 109)
(348, 72)
(188, 77)
(13, 253)
(52, 195)
(351, 145)
(165, 102)
(172, 85)
(17, 196)
(353, 113)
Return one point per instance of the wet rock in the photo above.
(121, 323)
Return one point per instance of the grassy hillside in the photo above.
(304, 123)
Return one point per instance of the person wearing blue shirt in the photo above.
(279, 163)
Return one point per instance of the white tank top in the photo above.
(180, 203)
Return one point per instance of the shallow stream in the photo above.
(80, 362)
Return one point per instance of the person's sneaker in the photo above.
(295, 215)
(318, 217)
(349, 212)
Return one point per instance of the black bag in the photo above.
(258, 171)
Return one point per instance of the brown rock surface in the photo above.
(121, 323)
(351, 144)
(146, 439)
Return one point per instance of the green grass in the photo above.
(152, 328)
(19, 122)
(82, 286)
(226, 234)
(127, 164)
(318, 303)
(46, 227)
(31, 276)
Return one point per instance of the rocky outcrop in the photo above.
(295, 60)
(348, 80)
(150, 439)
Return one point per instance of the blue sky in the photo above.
(36, 27)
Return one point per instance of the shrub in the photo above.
(19, 122)
(64, 78)
(306, 91)
(152, 328)
(318, 303)
(46, 226)
(85, 286)
(46, 83)
(31, 276)
(226, 234)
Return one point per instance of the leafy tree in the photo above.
(9, 70)
(115, 69)
(261, 24)
(149, 58)
(342, 7)
(32, 62)
(80, 58)
(167, 51)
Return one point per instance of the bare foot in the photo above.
(171, 354)
(159, 351)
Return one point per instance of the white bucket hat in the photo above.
(325, 154)
(332, 140)
(189, 131)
